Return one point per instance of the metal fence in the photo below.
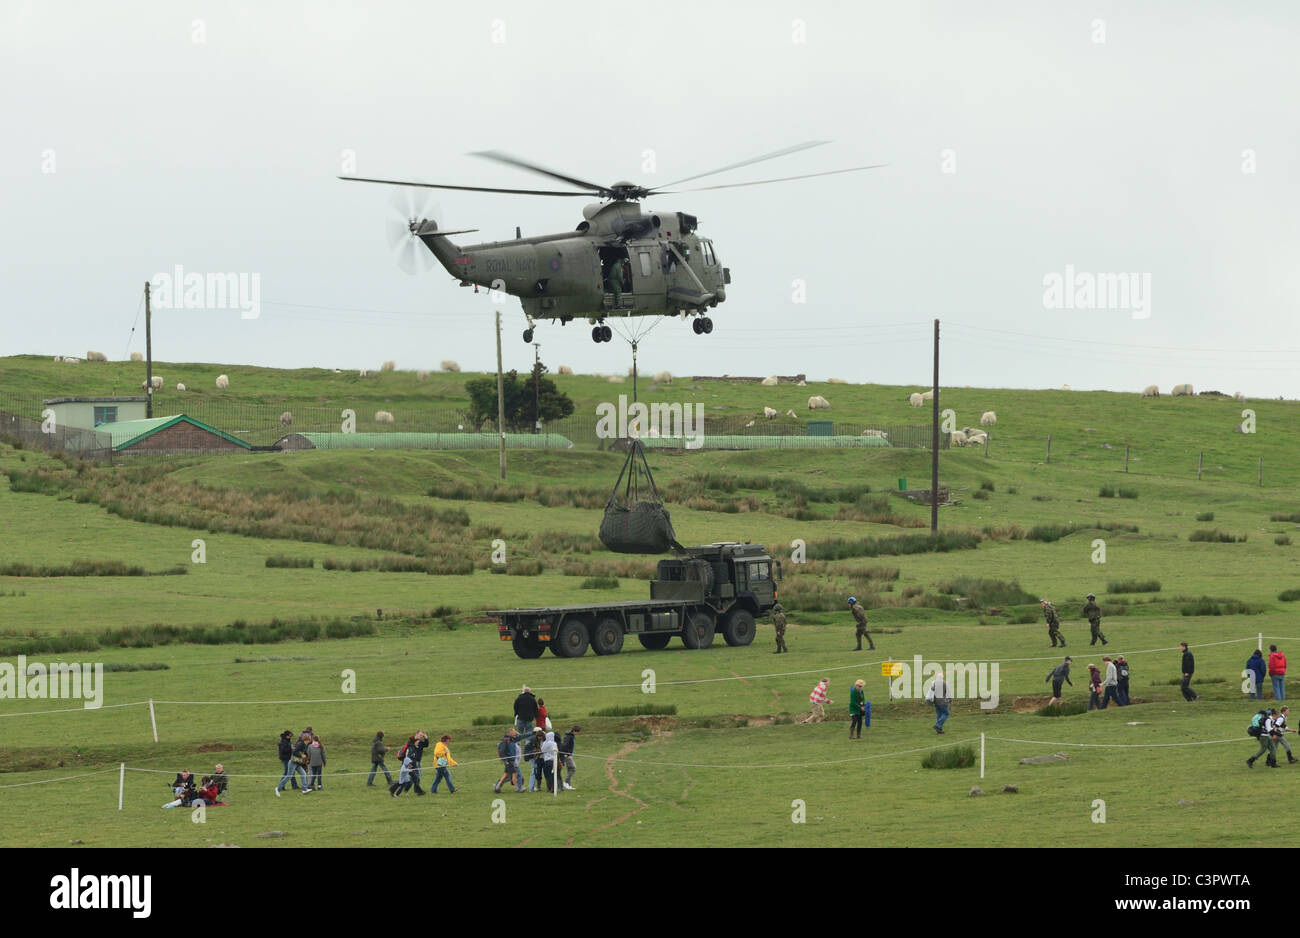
(37, 434)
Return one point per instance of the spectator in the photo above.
(549, 750)
(1279, 724)
(1277, 671)
(208, 792)
(316, 759)
(1110, 684)
(1121, 668)
(525, 712)
(532, 754)
(219, 778)
(506, 752)
(416, 752)
(1268, 737)
(857, 707)
(819, 699)
(183, 790)
(1058, 675)
(377, 752)
(443, 760)
(291, 766)
(1256, 666)
(543, 717)
(1189, 668)
(406, 776)
(567, 746)
(1094, 687)
(518, 756)
(941, 696)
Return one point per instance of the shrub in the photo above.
(841, 549)
(1013, 490)
(1205, 516)
(284, 560)
(987, 487)
(1106, 491)
(1209, 606)
(636, 711)
(1282, 540)
(600, 583)
(1292, 516)
(1066, 708)
(1216, 536)
(983, 594)
(1049, 533)
(958, 757)
(1133, 586)
(1024, 616)
(524, 568)
(1288, 596)
(1127, 493)
(981, 495)
(87, 568)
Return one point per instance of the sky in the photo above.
(1033, 151)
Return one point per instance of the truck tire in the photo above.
(699, 630)
(654, 641)
(607, 637)
(738, 627)
(529, 647)
(572, 639)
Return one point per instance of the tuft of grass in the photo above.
(1133, 586)
(1013, 490)
(983, 594)
(1127, 493)
(980, 495)
(958, 757)
(493, 721)
(636, 711)
(1195, 680)
(87, 568)
(600, 583)
(238, 632)
(1209, 606)
(842, 549)
(1288, 596)
(284, 560)
(1216, 536)
(1205, 516)
(1292, 516)
(1282, 540)
(1066, 708)
(1106, 491)
(122, 666)
(1048, 533)
(987, 487)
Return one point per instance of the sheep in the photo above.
(222, 382)
(383, 416)
(566, 370)
(388, 366)
(802, 384)
(363, 373)
(67, 358)
(422, 375)
(1066, 387)
(449, 365)
(615, 379)
(1183, 390)
(180, 387)
(1151, 391)
(750, 424)
(1238, 396)
(137, 357)
(988, 419)
(157, 382)
(771, 381)
(836, 381)
(927, 395)
(976, 438)
(916, 400)
(769, 412)
(957, 438)
(663, 377)
(286, 419)
(93, 356)
(881, 434)
(817, 402)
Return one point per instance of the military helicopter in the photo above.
(620, 261)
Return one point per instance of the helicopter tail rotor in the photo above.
(410, 208)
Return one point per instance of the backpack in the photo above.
(1123, 671)
(401, 753)
(503, 749)
(1256, 727)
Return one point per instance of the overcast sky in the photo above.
(1153, 139)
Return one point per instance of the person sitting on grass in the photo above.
(183, 788)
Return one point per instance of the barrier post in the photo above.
(121, 784)
(981, 755)
(153, 719)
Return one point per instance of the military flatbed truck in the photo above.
(703, 591)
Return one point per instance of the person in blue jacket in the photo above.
(1256, 665)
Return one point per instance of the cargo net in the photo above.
(636, 521)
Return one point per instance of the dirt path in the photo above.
(612, 776)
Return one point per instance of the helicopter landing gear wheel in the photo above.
(697, 326)
(528, 334)
(596, 334)
(606, 334)
(707, 325)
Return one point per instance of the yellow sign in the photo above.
(891, 669)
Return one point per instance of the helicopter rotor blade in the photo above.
(763, 182)
(515, 161)
(757, 159)
(434, 185)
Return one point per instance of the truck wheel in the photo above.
(699, 630)
(738, 627)
(607, 639)
(528, 647)
(572, 639)
(654, 641)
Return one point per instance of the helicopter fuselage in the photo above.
(621, 261)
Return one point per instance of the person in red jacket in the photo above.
(1277, 671)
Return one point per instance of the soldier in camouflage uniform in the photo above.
(1092, 612)
(861, 618)
(1053, 622)
(778, 620)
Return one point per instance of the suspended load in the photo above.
(636, 521)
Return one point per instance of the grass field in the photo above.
(727, 767)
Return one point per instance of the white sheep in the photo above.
(363, 372)
(157, 382)
(422, 375)
(93, 356)
(1238, 396)
(817, 402)
(957, 438)
(769, 412)
(1182, 390)
(916, 400)
(976, 438)
(880, 434)
(802, 384)
(137, 357)
(388, 366)
(988, 419)
(750, 424)
(836, 381)
(67, 358)
(383, 416)
(566, 370)
(222, 382)
(771, 381)
(1151, 391)
(449, 365)
(615, 379)
(286, 419)
(180, 387)
(1066, 387)
(663, 377)
(927, 395)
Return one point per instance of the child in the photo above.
(1094, 687)
(405, 778)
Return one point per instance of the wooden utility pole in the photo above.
(148, 353)
(501, 401)
(934, 440)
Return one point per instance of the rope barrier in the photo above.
(66, 778)
(36, 713)
(1040, 742)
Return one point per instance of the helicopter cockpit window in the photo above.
(645, 263)
(708, 253)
